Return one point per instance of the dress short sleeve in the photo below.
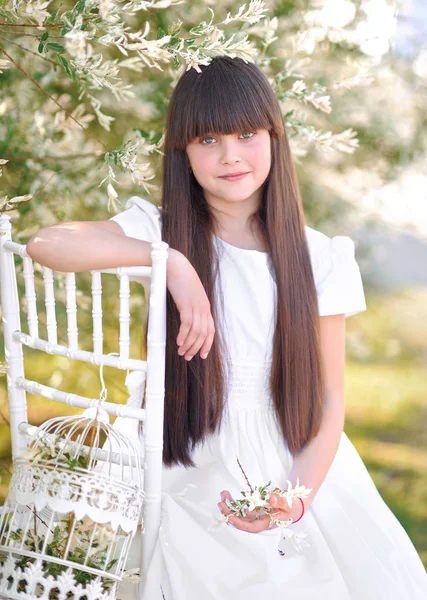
(140, 219)
(336, 274)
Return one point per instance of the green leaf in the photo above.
(44, 36)
(174, 28)
(56, 47)
(64, 30)
(51, 18)
(143, 133)
(41, 48)
(79, 7)
(160, 33)
(68, 70)
(174, 40)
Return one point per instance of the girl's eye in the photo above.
(249, 133)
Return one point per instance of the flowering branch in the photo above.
(69, 115)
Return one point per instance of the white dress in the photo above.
(358, 549)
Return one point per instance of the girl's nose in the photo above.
(229, 153)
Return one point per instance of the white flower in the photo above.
(253, 14)
(4, 64)
(132, 575)
(255, 500)
(298, 87)
(323, 103)
(33, 454)
(217, 522)
(300, 491)
(112, 194)
(298, 539)
(38, 11)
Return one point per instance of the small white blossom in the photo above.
(299, 491)
(4, 64)
(323, 103)
(218, 522)
(298, 87)
(255, 500)
(37, 10)
(253, 14)
(3, 161)
(132, 575)
(298, 539)
(112, 197)
(33, 454)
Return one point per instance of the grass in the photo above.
(386, 401)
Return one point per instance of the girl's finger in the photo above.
(192, 351)
(280, 504)
(255, 526)
(207, 345)
(186, 320)
(192, 334)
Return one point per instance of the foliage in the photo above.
(86, 85)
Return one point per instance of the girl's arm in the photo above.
(312, 464)
(87, 245)
(90, 245)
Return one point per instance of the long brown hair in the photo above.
(229, 96)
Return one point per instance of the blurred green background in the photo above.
(374, 193)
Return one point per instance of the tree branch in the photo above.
(18, 158)
(21, 33)
(69, 115)
(52, 62)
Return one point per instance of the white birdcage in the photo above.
(73, 507)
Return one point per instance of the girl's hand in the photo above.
(197, 327)
(254, 522)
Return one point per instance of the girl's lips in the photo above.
(234, 177)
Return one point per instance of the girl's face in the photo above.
(215, 156)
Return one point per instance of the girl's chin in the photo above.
(235, 195)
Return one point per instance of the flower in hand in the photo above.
(260, 509)
(258, 516)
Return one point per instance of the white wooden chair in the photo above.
(154, 366)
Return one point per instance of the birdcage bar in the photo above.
(49, 528)
(30, 515)
(61, 561)
(30, 295)
(97, 336)
(70, 537)
(111, 546)
(103, 455)
(49, 300)
(72, 332)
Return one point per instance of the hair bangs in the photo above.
(224, 99)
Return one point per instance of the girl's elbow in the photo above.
(39, 246)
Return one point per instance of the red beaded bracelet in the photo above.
(303, 510)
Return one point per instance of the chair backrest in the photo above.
(154, 366)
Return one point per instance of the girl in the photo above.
(254, 361)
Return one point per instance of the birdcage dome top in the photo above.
(82, 464)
